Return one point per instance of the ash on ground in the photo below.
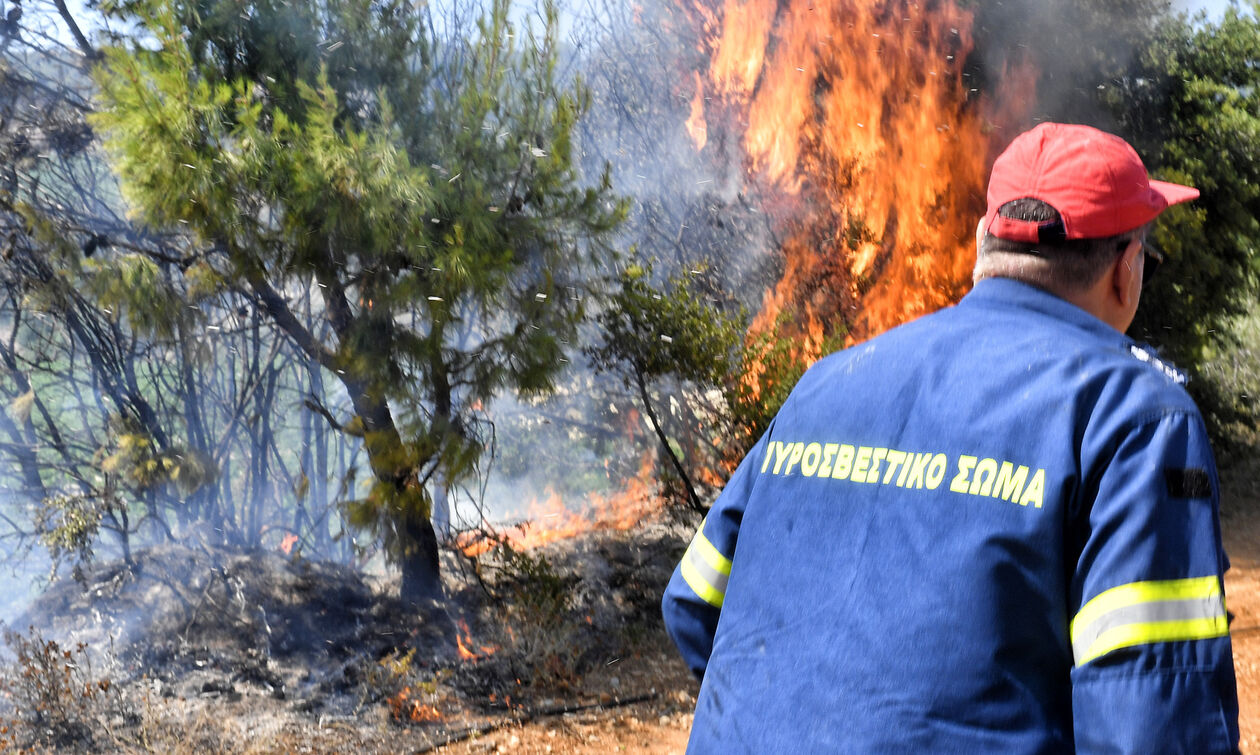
(198, 650)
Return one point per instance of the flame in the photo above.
(860, 128)
(696, 125)
(463, 641)
(634, 422)
(286, 545)
(549, 519)
(406, 708)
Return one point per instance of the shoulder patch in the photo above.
(1193, 482)
(1147, 354)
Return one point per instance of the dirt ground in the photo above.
(1242, 592)
(656, 727)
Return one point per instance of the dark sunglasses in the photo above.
(1154, 258)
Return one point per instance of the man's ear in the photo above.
(1126, 274)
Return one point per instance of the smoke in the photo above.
(691, 206)
(1076, 50)
(692, 209)
(21, 581)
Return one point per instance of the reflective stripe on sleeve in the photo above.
(705, 570)
(1145, 612)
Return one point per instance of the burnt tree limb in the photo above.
(524, 716)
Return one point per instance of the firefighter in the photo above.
(994, 529)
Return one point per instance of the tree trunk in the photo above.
(692, 498)
(195, 509)
(318, 472)
(23, 445)
(441, 511)
(421, 575)
(416, 549)
(442, 406)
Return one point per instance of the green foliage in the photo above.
(131, 285)
(537, 618)
(1234, 373)
(20, 407)
(771, 364)
(68, 525)
(669, 331)
(420, 181)
(735, 381)
(1190, 104)
(649, 334)
(391, 512)
(134, 456)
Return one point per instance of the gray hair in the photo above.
(1066, 266)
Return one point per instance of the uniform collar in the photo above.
(1005, 293)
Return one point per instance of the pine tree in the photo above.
(417, 176)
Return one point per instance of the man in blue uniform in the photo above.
(993, 529)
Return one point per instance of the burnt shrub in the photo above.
(536, 618)
(50, 696)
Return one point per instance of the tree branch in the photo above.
(278, 309)
(84, 45)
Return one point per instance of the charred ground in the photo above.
(199, 650)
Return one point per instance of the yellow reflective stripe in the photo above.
(711, 555)
(1145, 592)
(705, 569)
(1156, 631)
(1145, 612)
(708, 593)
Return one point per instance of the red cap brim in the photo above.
(1174, 193)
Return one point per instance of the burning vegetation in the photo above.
(858, 120)
(549, 518)
(283, 311)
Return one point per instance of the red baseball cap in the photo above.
(1094, 179)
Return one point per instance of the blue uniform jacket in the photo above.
(993, 529)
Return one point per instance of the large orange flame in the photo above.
(859, 110)
(860, 131)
